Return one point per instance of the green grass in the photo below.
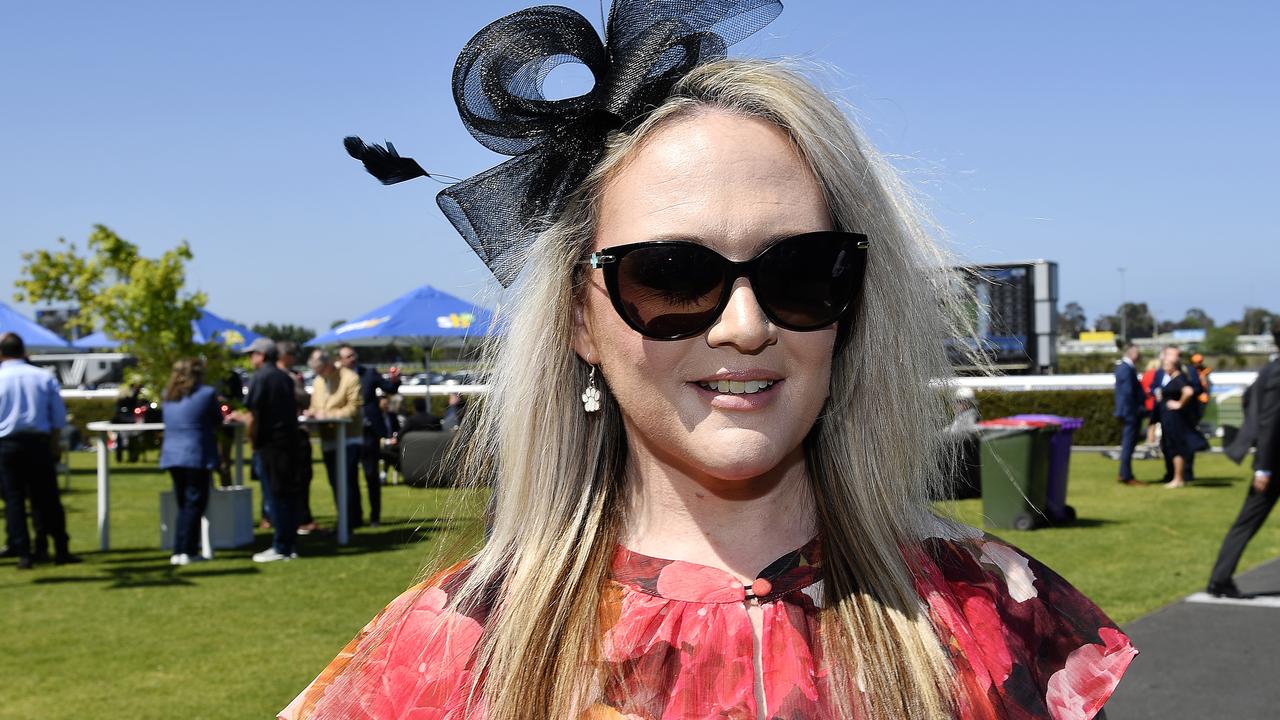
(125, 635)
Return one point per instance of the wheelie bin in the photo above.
(1015, 468)
(1059, 464)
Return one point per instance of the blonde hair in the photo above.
(872, 456)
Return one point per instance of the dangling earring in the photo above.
(591, 396)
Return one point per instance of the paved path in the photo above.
(1207, 658)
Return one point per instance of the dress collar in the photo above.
(691, 582)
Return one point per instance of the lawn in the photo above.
(125, 635)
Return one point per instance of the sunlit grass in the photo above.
(125, 635)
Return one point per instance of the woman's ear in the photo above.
(583, 339)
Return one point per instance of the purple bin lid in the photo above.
(1068, 424)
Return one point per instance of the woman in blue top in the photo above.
(190, 452)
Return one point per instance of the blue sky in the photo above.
(1097, 134)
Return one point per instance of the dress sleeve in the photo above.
(411, 661)
(1023, 641)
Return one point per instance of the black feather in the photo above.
(384, 163)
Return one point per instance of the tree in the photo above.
(296, 333)
(1072, 320)
(1256, 321)
(1219, 341)
(1195, 319)
(1137, 321)
(139, 301)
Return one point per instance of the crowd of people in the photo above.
(277, 406)
(1170, 396)
(1173, 396)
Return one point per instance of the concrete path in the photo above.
(1207, 658)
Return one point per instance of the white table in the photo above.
(103, 427)
(104, 473)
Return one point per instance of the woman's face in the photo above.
(735, 185)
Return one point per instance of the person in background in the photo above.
(1153, 422)
(32, 416)
(272, 416)
(389, 448)
(1172, 353)
(288, 351)
(335, 394)
(1206, 384)
(371, 434)
(421, 419)
(191, 412)
(1261, 431)
(965, 407)
(232, 395)
(1177, 419)
(1130, 406)
(455, 411)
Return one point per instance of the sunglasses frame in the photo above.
(608, 260)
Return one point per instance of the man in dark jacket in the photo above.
(272, 416)
(1261, 431)
(1130, 408)
(374, 427)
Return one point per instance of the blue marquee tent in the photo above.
(34, 335)
(411, 318)
(207, 328)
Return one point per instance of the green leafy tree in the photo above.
(1219, 341)
(1256, 321)
(1072, 320)
(140, 302)
(1195, 319)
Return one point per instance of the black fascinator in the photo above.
(649, 46)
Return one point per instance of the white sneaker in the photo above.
(269, 555)
(179, 559)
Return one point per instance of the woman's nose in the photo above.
(743, 324)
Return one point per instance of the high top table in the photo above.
(102, 427)
(104, 472)
(340, 463)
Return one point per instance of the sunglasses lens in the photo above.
(806, 282)
(671, 291)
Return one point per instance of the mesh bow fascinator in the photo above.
(498, 81)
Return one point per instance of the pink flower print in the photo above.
(1082, 687)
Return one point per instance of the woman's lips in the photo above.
(728, 400)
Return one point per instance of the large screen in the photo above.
(1001, 315)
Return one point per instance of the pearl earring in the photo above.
(591, 396)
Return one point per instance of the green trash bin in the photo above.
(1015, 473)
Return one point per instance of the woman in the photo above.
(189, 452)
(727, 456)
(1153, 421)
(1178, 436)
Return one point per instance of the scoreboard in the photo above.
(1012, 315)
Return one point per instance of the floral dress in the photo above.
(1024, 643)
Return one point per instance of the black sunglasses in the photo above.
(675, 289)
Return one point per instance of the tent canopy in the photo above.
(34, 335)
(410, 319)
(207, 328)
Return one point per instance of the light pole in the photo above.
(1124, 316)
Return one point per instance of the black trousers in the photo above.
(371, 459)
(191, 493)
(354, 509)
(28, 470)
(1257, 506)
(279, 459)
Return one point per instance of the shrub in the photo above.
(1093, 406)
